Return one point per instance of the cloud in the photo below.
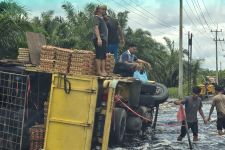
(168, 12)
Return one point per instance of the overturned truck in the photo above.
(54, 111)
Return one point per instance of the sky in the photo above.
(161, 18)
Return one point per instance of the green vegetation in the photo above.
(75, 31)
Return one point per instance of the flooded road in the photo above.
(167, 131)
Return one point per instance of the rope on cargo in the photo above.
(67, 85)
(142, 117)
(118, 99)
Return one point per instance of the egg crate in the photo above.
(63, 57)
(81, 59)
(23, 50)
(83, 51)
(81, 73)
(47, 65)
(24, 55)
(47, 56)
(37, 136)
(61, 66)
(36, 145)
(83, 64)
(48, 52)
(48, 48)
(75, 73)
(81, 68)
(60, 56)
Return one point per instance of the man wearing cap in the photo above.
(115, 34)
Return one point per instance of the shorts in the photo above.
(100, 51)
(192, 125)
(220, 123)
(123, 69)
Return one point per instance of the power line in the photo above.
(199, 31)
(197, 43)
(197, 18)
(212, 20)
(153, 15)
(197, 15)
(133, 20)
(216, 40)
(203, 16)
(142, 14)
(208, 12)
(201, 12)
(142, 17)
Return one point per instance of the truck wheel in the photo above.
(148, 88)
(160, 96)
(134, 123)
(118, 125)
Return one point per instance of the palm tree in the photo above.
(80, 25)
(195, 70)
(13, 23)
(171, 67)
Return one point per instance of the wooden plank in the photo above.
(35, 41)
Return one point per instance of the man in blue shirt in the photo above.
(130, 59)
(128, 62)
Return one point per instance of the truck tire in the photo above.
(159, 97)
(134, 123)
(148, 88)
(118, 126)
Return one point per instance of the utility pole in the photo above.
(189, 61)
(220, 69)
(180, 87)
(190, 42)
(216, 40)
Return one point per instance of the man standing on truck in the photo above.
(219, 103)
(193, 104)
(115, 34)
(100, 38)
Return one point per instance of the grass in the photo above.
(173, 91)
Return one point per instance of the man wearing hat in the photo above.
(115, 34)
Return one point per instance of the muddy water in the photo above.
(167, 130)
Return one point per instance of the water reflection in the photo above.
(165, 137)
